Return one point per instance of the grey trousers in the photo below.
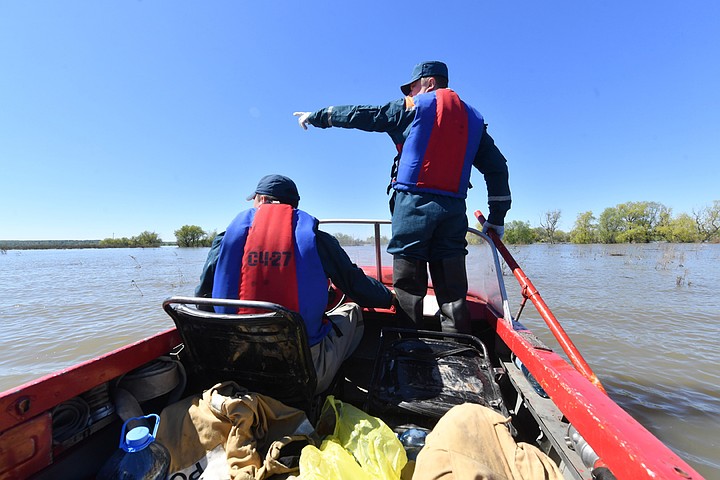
(333, 350)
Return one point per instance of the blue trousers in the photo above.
(428, 227)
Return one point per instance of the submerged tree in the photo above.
(679, 230)
(190, 236)
(633, 222)
(707, 220)
(640, 221)
(209, 238)
(147, 239)
(549, 222)
(610, 225)
(518, 232)
(585, 230)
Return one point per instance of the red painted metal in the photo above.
(27, 448)
(626, 447)
(33, 398)
(385, 274)
(529, 291)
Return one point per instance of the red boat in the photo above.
(66, 424)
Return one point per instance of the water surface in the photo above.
(645, 317)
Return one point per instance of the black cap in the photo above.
(425, 69)
(277, 186)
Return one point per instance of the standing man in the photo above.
(439, 138)
(275, 253)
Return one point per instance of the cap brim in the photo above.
(251, 197)
(405, 89)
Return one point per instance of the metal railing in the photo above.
(376, 226)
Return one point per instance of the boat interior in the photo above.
(67, 424)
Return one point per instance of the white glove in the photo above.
(499, 230)
(302, 119)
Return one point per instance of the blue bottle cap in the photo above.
(138, 438)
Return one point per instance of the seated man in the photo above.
(274, 252)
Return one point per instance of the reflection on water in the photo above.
(58, 307)
(645, 317)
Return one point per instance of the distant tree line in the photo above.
(145, 240)
(631, 222)
(195, 236)
(185, 236)
(46, 244)
(350, 241)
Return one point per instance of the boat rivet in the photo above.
(22, 406)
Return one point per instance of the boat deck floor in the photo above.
(355, 378)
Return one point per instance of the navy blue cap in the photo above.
(425, 69)
(277, 186)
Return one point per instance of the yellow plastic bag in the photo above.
(358, 447)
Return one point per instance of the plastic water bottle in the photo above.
(140, 457)
(531, 380)
(413, 440)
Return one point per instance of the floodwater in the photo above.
(645, 317)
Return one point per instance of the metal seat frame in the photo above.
(266, 352)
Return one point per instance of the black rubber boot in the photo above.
(449, 279)
(410, 281)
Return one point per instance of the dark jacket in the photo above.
(395, 119)
(348, 277)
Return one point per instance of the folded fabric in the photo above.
(231, 433)
(473, 442)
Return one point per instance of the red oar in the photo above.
(529, 291)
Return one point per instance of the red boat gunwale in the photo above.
(625, 446)
(33, 398)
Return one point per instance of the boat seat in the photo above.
(265, 352)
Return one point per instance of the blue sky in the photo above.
(123, 116)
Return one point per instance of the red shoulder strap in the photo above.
(269, 270)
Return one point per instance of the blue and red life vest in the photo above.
(442, 142)
(270, 254)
